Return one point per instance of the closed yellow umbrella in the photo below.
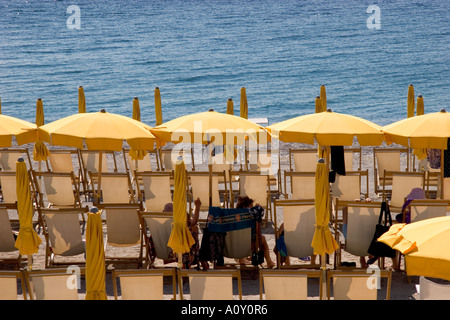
(230, 106)
(318, 105)
(136, 109)
(410, 101)
(40, 151)
(81, 100)
(323, 97)
(95, 257)
(420, 106)
(27, 240)
(158, 109)
(425, 244)
(244, 104)
(180, 239)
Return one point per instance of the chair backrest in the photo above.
(168, 158)
(52, 284)
(303, 159)
(299, 225)
(122, 224)
(199, 187)
(238, 244)
(203, 284)
(386, 159)
(60, 188)
(352, 164)
(302, 185)
(402, 184)
(9, 283)
(8, 158)
(357, 284)
(430, 290)
(7, 241)
(254, 185)
(8, 183)
(261, 161)
(140, 165)
(117, 188)
(428, 208)
(90, 161)
(160, 227)
(143, 284)
(156, 190)
(349, 187)
(287, 284)
(63, 230)
(62, 160)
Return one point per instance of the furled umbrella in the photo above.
(136, 109)
(27, 240)
(95, 257)
(410, 101)
(230, 106)
(244, 104)
(81, 100)
(137, 154)
(323, 97)
(318, 105)
(158, 109)
(40, 150)
(425, 244)
(181, 239)
(420, 108)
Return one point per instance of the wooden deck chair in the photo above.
(256, 186)
(431, 290)
(358, 284)
(116, 187)
(11, 282)
(203, 285)
(53, 284)
(427, 208)
(59, 188)
(386, 159)
(156, 227)
(143, 284)
(123, 230)
(7, 239)
(157, 190)
(67, 160)
(8, 183)
(352, 159)
(302, 185)
(301, 160)
(90, 163)
(168, 157)
(262, 161)
(199, 188)
(402, 184)
(9, 156)
(299, 220)
(218, 164)
(433, 183)
(63, 231)
(276, 284)
(149, 163)
(362, 217)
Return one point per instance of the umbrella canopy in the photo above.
(158, 110)
(40, 151)
(426, 131)
(323, 241)
(100, 130)
(27, 240)
(200, 127)
(410, 101)
(95, 257)
(81, 100)
(230, 106)
(244, 104)
(329, 129)
(136, 109)
(180, 239)
(425, 244)
(24, 131)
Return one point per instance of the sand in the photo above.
(403, 287)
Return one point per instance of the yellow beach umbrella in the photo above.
(420, 106)
(328, 129)
(95, 257)
(158, 109)
(410, 101)
(81, 100)
(27, 240)
(230, 106)
(318, 105)
(180, 239)
(23, 131)
(136, 109)
(425, 244)
(40, 150)
(323, 97)
(244, 104)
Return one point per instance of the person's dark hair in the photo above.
(244, 202)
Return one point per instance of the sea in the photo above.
(200, 53)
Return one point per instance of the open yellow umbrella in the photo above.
(40, 150)
(158, 109)
(244, 104)
(95, 257)
(410, 101)
(180, 239)
(81, 100)
(230, 106)
(23, 131)
(328, 129)
(323, 97)
(136, 109)
(27, 240)
(425, 244)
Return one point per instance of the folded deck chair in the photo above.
(123, 229)
(358, 284)
(156, 190)
(7, 239)
(433, 290)
(276, 284)
(10, 282)
(54, 284)
(203, 285)
(141, 284)
(59, 188)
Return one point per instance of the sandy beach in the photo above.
(403, 287)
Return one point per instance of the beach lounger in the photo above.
(9, 157)
(115, 188)
(387, 159)
(157, 190)
(143, 284)
(302, 160)
(7, 239)
(199, 182)
(402, 184)
(67, 161)
(433, 290)
(427, 208)
(302, 185)
(168, 157)
(262, 161)
(10, 283)
(53, 284)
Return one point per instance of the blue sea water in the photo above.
(200, 53)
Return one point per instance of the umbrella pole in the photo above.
(100, 160)
(323, 268)
(30, 262)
